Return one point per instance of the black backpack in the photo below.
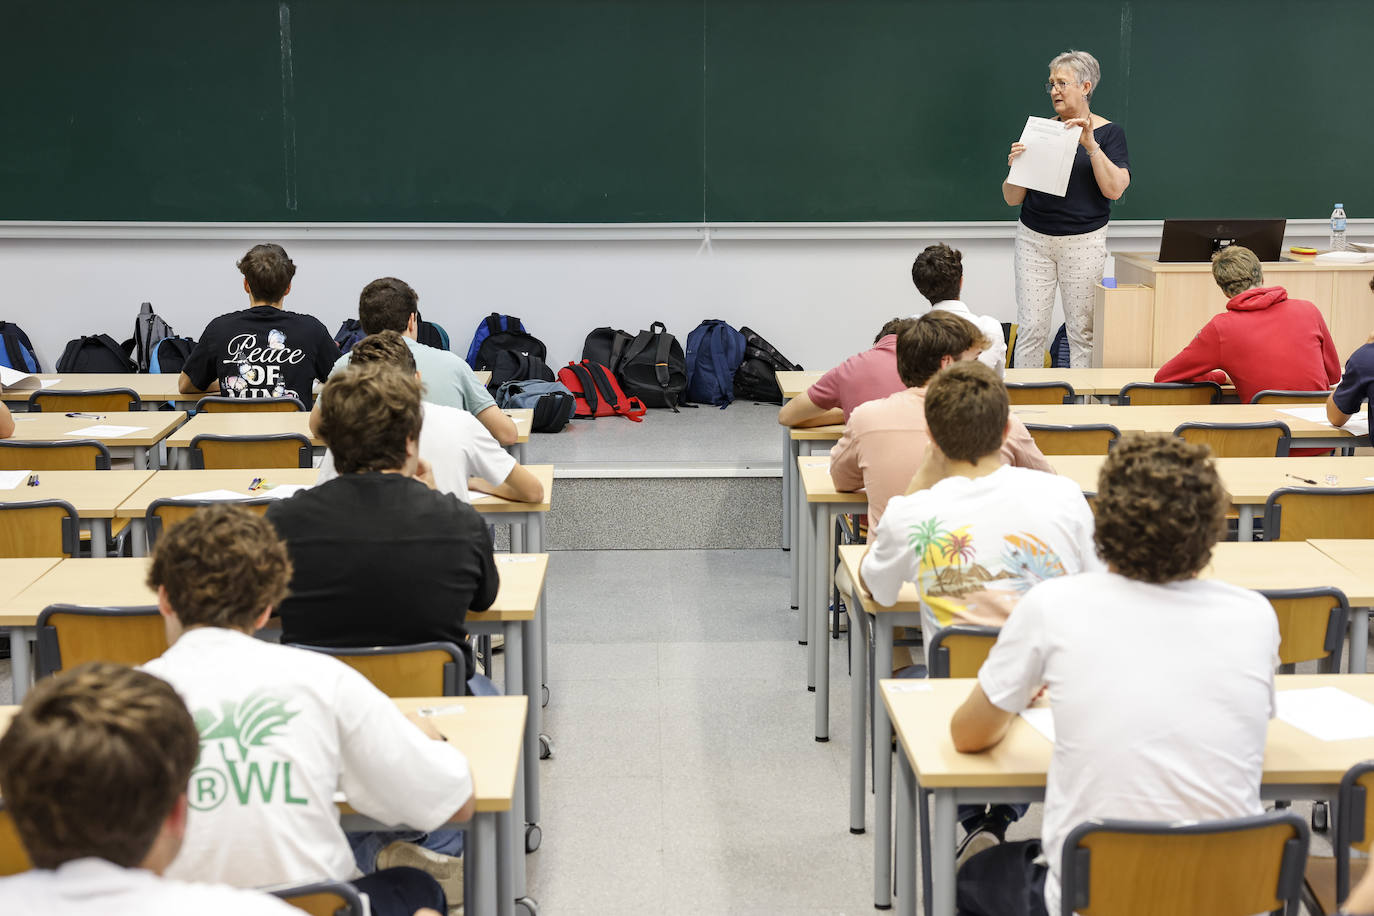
(149, 329)
(170, 354)
(654, 369)
(430, 334)
(754, 380)
(511, 337)
(349, 333)
(517, 367)
(95, 353)
(553, 404)
(607, 346)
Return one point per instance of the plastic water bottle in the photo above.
(1338, 228)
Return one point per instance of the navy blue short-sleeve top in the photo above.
(1083, 207)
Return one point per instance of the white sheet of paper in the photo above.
(475, 497)
(515, 558)
(1045, 165)
(215, 495)
(282, 490)
(103, 432)
(11, 479)
(13, 378)
(1040, 718)
(1327, 713)
(49, 382)
(1357, 425)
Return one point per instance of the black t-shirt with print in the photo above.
(263, 352)
(383, 560)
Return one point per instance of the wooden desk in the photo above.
(153, 427)
(1296, 765)
(1097, 382)
(825, 504)
(487, 730)
(1180, 298)
(152, 388)
(1166, 418)
(794, 383)
(797, 443)
(94, 494)
(18, 573)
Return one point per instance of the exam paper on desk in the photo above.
(103, 432)
(1357, 425)
(11, 479)
(1048, 159)
(1327, 713)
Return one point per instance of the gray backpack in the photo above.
(553, 404)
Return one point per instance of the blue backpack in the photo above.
(349, 333)
(553, 404)
(170, 354)
(16, 351)
(512, 335)
(714, 353)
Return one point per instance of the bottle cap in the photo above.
(1340, 206)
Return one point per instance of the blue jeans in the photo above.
(401, 891)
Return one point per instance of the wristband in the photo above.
(1094, 151)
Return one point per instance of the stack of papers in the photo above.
(13, 378)
(1048, 159)
(1357, 425)
(11, 479)
(281, 491)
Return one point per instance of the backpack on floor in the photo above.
(170, 353)
(16, 351)
(607, 347)
(1059, 348)
(755, 381)
(598, 393)
(502, 332)
(714, 353)
(430, 334)
(95, 353)
(654, 369)
(553, 404)
(349, 333)
(515, 367)
(148, 330)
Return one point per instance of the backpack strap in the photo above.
(494, 323)
(617, 349)
(14, 350)
(588, 385)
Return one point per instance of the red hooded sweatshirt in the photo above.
(1262, 340)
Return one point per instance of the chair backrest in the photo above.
(1083, 439)
(1040, 392)
(330, 898)
(1145, 393)
(41, 528)
(277, 450)
(425, 669)
(69, 636)
(1275, 396)
(13, 857)
(1312, 625)
(162, 514)
(1269, 439)
(1354, 821)
(1300, 513)
(1232, 867)
(68, 455)
(111, 400)
(217, 404)
(959, 651)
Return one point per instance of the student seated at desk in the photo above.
(454, 444)
(1356, 386)
(938, 273)
(263, 351)
(975, 533)
(1162, 684)
(1262, 340)
(281, 729)
(94, 770)
(6, 421)
(389, 304)
(863, 377)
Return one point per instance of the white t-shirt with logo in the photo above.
(95, 887)
(1162, 696)
(457, 446)
(280, 730)
(975, 546)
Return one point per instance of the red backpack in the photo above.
(597, 392)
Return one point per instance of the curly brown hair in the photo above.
(928, 340)
(1160, 507)
(967, 410)
(268, 270)
(367, 414)
(938, 272)
(94, 762)
(386, 304)
(222, 566)
(387, 348)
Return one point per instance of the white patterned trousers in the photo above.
(1071, 263)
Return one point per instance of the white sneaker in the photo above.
(447, 870)
(974, 843)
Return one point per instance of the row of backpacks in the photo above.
(154, 347)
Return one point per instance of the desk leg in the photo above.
(820, 627)
(905, 857)
(480, 855)
(517, 538)
(882, 775)
(513, 843)
(942, 855)
(20, 674)
(533, 719)
(1359, 639)
(510, 859)
(140, 456)
(138, 536)
(858, 712)
(1245, 524)
(788, 469)
(798, 534)
(803, 556)
(100, 536)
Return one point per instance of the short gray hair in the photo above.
(1083, 65)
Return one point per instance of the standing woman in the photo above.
(1062, 241)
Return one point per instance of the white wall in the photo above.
(819, 293)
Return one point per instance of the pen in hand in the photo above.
(1303, 479)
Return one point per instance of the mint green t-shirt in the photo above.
(446, 377)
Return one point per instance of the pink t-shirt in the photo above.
(884, 441)
(865, 376)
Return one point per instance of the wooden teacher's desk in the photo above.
(1157, 308)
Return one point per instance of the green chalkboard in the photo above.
(662, 110)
